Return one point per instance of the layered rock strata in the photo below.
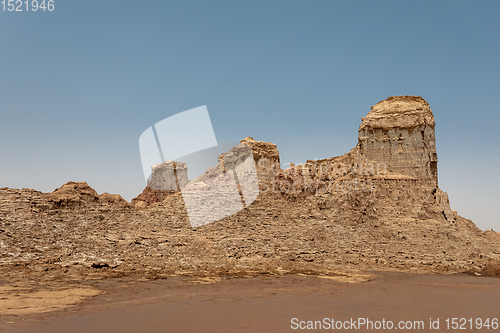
(169, 176)
(373, 208)
(393, 166)
(399, 132)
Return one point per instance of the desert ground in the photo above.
(256, 304)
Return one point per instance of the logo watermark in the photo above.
(185, 142)
(367, 324)
(320, 177)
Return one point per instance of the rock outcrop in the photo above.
(266, 156)
(169, 176)
(376, 207)
(392, 170)
(113, 199)
(224, 189)
(150, 197)
(78, 195)
(164, 176)
(73, 194)
(399, 132)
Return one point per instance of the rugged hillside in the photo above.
(376, 207)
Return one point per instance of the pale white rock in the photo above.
(169, 176)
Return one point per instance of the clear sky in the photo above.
(79, 85)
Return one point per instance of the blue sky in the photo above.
(79, 85)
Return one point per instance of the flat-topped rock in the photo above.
(399, 132)
(399, 112)
(262, 149)
(169, 176)
(266, 156)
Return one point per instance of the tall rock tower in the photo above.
(392, 171)
(399, 132)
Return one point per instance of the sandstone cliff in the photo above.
(400, 133)
(376, 207)
(392, 170)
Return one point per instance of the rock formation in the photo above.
(399, 132)
(73, 194)
(392, 170)
(376, 207)
(223, 190)
(169, 176)
(81, 195)
(150, 197)
(113, 199)
(166, 178)
(266, 156)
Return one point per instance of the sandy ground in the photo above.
(259, 304)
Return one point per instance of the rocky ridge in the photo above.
(376, 207)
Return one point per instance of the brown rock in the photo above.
(150, 196)
(395, 161)
(262, 149)
(337, 214)
(113, 199)
(399, 132)
(266, 156)
(73, 194)
(399, 112)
